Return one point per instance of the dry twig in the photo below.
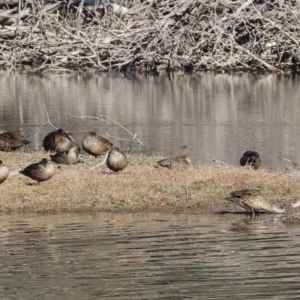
(49, 122)
(218, 162)
(192, 34)
(102, 119)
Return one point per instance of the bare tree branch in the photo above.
(102, 119)
(49, 122)
(218, 162)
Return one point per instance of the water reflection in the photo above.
(222, 115)
(147, 256)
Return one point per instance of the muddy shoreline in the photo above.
(151, 36)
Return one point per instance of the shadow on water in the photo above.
(148, 256)
(222, 115)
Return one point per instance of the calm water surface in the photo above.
(148, 256)
(222, 115)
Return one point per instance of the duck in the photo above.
(67, 157)
(295, 203)
(251, 158)
(40, 171)
(57, 141)
(10, 141)
(3, 172)
(96, 145)
(116, 160)
(252, 201)
(170, 162)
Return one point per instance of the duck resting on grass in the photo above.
(116, 160)
(251, 158)
(96, 145)
(57, 141)
(252, 201)
(171, 162)
(10, 141)
(66, 157)
(3, 172)
(40, 171)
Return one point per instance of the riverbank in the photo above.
(140, 187)
(150, 36)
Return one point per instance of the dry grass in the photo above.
(139, 187)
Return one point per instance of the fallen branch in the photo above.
(49, 122)
(48, 119)
(102, 119)
(218, 162)
(102, 163)
(134, 136)
(294, 164)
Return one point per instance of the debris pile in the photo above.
(150, 35)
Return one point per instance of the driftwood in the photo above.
(151, 35)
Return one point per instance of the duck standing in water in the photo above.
(10, 141)
(40, 171)
(116, 160)
(171, 162)
(57, 141)
(3, 172)
(251, 158)
(96, 145)
(252, 201)
(67, 157)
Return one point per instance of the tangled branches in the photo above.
(153, 34)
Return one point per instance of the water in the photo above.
(148, 256)
(221, 115)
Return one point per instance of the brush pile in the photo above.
(151, 35)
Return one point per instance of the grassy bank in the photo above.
(140, 187)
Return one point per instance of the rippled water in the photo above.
(148, 256)
(221, 115)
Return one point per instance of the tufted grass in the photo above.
(140, 187)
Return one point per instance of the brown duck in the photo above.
(57, 141)
(295, 203)
(40, 171)
(3, 172)
(10, 141)
(175, 161)
(251, 158)
(95, 145)
(252, 201)
(67, 157)
(116, 160)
